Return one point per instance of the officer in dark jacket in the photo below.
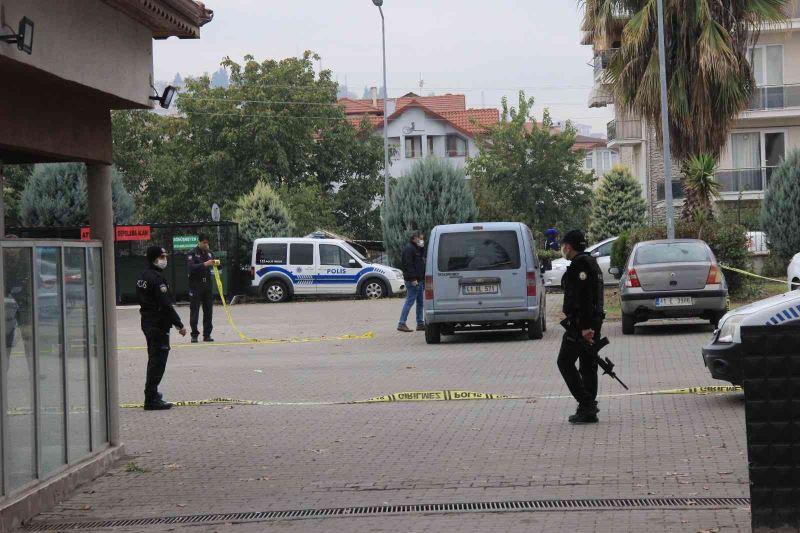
(583, 307)
(413, 266)
(158, 317)
(200, 261)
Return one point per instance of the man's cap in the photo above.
(576, 239)
(154, 252)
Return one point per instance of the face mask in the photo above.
(421, 243)
(161, 263)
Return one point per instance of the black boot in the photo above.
(156, 404)
(586, 414)
(194, 338)
(208, 339)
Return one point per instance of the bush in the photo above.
(780, 213)
(619, 251)
(261, 213)
(55, 195)
(617, 206)
(434, 192)
(727, 241)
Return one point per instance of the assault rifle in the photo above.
(594, 349)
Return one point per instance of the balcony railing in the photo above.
(677, 190)
(744, 179)
(601, 61)
(773, 97)
(619, 130)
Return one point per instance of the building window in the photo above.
(767, 63)
(456, 146)
(413, 147)
(431, 151)
(614, 159)
(589, 163)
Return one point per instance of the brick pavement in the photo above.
(257, 458)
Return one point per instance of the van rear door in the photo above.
(479, 270)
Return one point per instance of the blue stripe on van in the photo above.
(317, 279)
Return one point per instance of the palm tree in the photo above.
(701, 188)
(709, 78)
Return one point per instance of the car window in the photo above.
(479, 250)
(334, 255)
(301, 254)
(271, 253)
(355, 252)
(605, 249)
(677, 252)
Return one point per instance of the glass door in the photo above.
(774, 153)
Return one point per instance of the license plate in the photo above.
(674, 301)
(481, 289)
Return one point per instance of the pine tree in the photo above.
(780, 213)
(617, 206)
(261, 213)
(55, 195)
(433, 192)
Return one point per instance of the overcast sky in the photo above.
(484, 49)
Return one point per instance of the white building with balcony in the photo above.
(758, 141)
(425, 126)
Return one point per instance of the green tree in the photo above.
(310, 208)
(701, 187)
(780, 213)
(55, 195)
(617, 206)
(261, 213)
(709, 77)
(433, 192)
(530, 173)
(15, 177)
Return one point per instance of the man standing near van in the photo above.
(200, 261)
(413, 260)
(583, 307)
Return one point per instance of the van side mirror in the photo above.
(616, 272)
(542, 268)
(596, 253)
(352, 263)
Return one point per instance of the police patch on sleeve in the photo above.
(163, 288)
(582, 276)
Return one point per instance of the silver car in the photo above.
(600, 251)
(671, 279)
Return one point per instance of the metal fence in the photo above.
(53, 389)
(619, 130)
(774, 97)
(744, 179)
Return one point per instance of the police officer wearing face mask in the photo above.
(200, 261)
(158, 317)
(583, 307)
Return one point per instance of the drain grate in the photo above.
(428, 508)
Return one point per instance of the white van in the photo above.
(483, 276)
(723, 355)
(284, 267)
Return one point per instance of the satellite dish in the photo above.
(215, 213)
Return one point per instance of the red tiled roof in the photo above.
(582, 142)
(466, 120)
(358, 107)
(439, 104)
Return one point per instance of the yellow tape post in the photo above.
(746, 273)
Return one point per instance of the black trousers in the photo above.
(198, 296)
(157, 354)
(581, 381)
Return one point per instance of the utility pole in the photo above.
(379, 3)
(662, 63)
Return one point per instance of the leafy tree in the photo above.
(309, 207)
(55, 195)
(15, 177)
(433, 192)
(261, 213)
(709, 77)
(780, 213)
(529, 173)
(617, 206)
(701, 187)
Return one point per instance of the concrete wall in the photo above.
(86, 42)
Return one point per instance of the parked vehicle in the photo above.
(483, 276)
(722, 356)
(600, 251)
(284, 267)
(793, 273)
(671, 279)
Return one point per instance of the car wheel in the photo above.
(275, 292)
(373, 289)
(535, 330)
(628, 325)
(433, 333)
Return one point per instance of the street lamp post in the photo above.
(662, 62)
(379, 3)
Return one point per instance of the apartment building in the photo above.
(759, 140)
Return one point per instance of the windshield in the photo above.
(355, 252)
(675, 252)
(479, 250)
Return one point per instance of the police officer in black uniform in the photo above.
(200, 260)
(158, 317)
(583, 307)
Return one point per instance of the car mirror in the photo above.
(596, 254)
(542, 268)
(352, 263)
(616, 272)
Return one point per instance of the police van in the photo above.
(284, 267)
(722, 356)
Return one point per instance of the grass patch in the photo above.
(134, 468)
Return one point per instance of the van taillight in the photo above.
(429, 287)
(530, 277)
(633, 279)
(252, 272)
(714, 275)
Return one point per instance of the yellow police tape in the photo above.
(447, 395)
(221, 292)
(746, 273)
